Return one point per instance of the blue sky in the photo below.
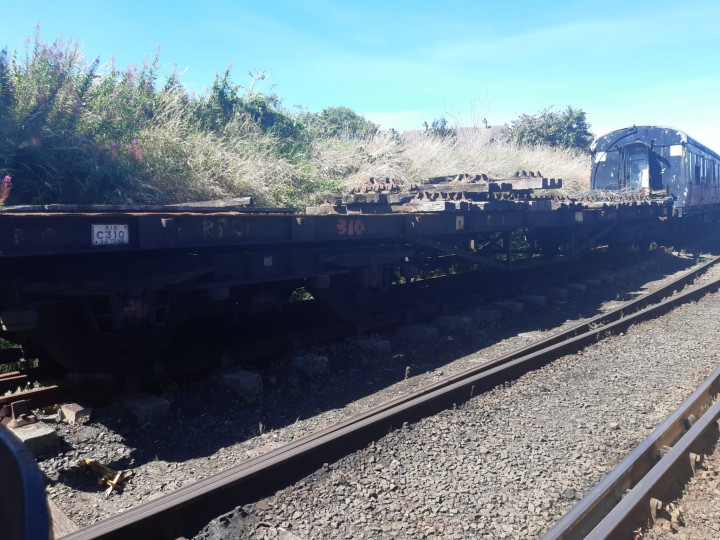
(402, 63)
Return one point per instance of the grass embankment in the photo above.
(384, 156)
(73, 131)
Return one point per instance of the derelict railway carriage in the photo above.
(654, 158)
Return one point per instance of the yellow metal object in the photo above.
(110, 477)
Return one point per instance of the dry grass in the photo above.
(385, 155)
(190, 164)
(196, 165)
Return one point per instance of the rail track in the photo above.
(631, 495)
(186, 510)
(15, 406)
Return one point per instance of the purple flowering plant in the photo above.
(5, 186)
(91, 132)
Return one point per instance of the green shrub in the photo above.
(568, 129)
(441, 128)
(343, 123)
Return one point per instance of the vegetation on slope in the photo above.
(566, 129)
(72, 131)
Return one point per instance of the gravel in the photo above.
(506, 464)
(511, 462)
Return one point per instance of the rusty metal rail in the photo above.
(40, 397)
(11, 380)
(188, 509)
(645, 471)
(15, 409)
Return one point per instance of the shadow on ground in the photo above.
(207, 416)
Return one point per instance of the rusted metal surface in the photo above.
(69, 229)
(189, 508)
(39, 397)
(242, 204)
(606, 512)
(20, 414)
(473, 193)
(24, 512)
(38, 234)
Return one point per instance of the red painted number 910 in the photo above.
(350, 227)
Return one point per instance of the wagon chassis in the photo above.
(103, 288)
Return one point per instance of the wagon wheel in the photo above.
(118, 354)
(348, 298)
(71, 339)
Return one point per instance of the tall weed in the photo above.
(73, 131)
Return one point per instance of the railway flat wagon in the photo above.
(106, 288)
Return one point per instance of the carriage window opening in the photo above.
(710, 173)
(695, 168)
(705, 171)
(636, 173)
